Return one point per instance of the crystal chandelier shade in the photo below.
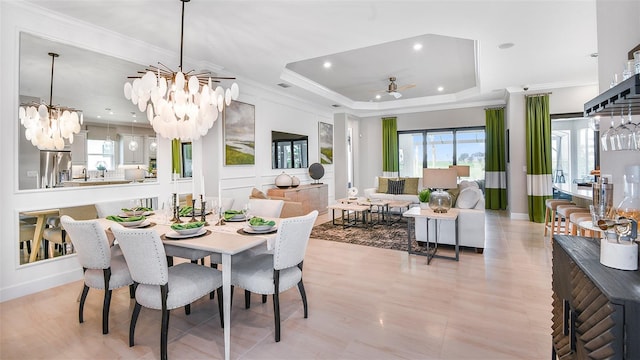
(179, 105)
(47, 126)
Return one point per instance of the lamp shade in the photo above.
(462, 170)
(439, 178)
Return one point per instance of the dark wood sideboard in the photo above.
(312, 196)
(596, 309)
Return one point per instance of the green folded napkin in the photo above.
(186, 211)
(125, 219)
(185, 226)
(136, 209)
(229, 214)
(258, 221)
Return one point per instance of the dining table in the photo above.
(228, 239)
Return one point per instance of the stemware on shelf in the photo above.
(607, 139)
(624, 135)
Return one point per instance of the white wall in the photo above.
(618, 32)
(274, 110)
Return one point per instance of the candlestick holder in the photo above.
(174, 206)
(176, 215)
(203, 205)
(193, 211)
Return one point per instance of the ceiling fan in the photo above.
(394, 90)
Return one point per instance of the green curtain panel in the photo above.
(389, 145)
(538, 143)
(495, 164)
(175, 157)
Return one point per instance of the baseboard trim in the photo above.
(519, 216)
(40, 284)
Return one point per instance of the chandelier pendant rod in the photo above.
(53, 59)
(182, 33)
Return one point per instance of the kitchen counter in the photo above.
(93, 182)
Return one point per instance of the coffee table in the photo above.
(382, 208)
(416, 212)
(401, 205)
(349, 209)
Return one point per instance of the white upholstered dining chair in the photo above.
(274, 273)
(104, 266)
(265, 207)
(159, 286)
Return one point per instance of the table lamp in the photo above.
(439, 179)
(462, 170)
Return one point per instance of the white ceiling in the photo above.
(256, 40)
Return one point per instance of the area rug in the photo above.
(393, 236)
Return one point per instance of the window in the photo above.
(574, 148)
(440, 148)
(96, 152)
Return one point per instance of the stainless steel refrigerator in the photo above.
(55, 167)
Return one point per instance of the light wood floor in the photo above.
(364, 303)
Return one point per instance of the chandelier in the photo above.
(47, 126)
(179, 105)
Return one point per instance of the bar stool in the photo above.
(550, 213)
(575, 219)
(563, 213)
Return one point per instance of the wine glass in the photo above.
(624, 135)
(608, 138)
(245, 212)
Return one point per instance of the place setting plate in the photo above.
(237, 218)
(125, 214)
(248, 230)
(173, 235)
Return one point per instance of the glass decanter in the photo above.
(629, 207)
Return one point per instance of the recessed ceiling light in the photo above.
(594, 55)
(378, 96)
(283, 85)
(133, 114)
(505, 46)
(440, 88)
(327, 64)
(417, 46)
(336, 105)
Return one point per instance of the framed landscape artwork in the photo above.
(325, 137)
(239, 134)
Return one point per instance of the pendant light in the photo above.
(133, 144)
(179, 105)
(47, 126)
(107, 145)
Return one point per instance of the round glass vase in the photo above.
(440, 201)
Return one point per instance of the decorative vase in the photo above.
(283, 180)
(295, 181)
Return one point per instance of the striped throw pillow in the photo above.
(396, 187)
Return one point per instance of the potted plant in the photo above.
(424, 196)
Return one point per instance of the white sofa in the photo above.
(470, 220)
(470, 204)
(412, 196)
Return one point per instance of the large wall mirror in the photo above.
(103, 153)
(289, 150)
(43, 237)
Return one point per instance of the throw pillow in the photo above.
(454, 195)
(396, 187)
(467, 183)
(257, 194)
(468, 198)
(411, 185)
(383, 185)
